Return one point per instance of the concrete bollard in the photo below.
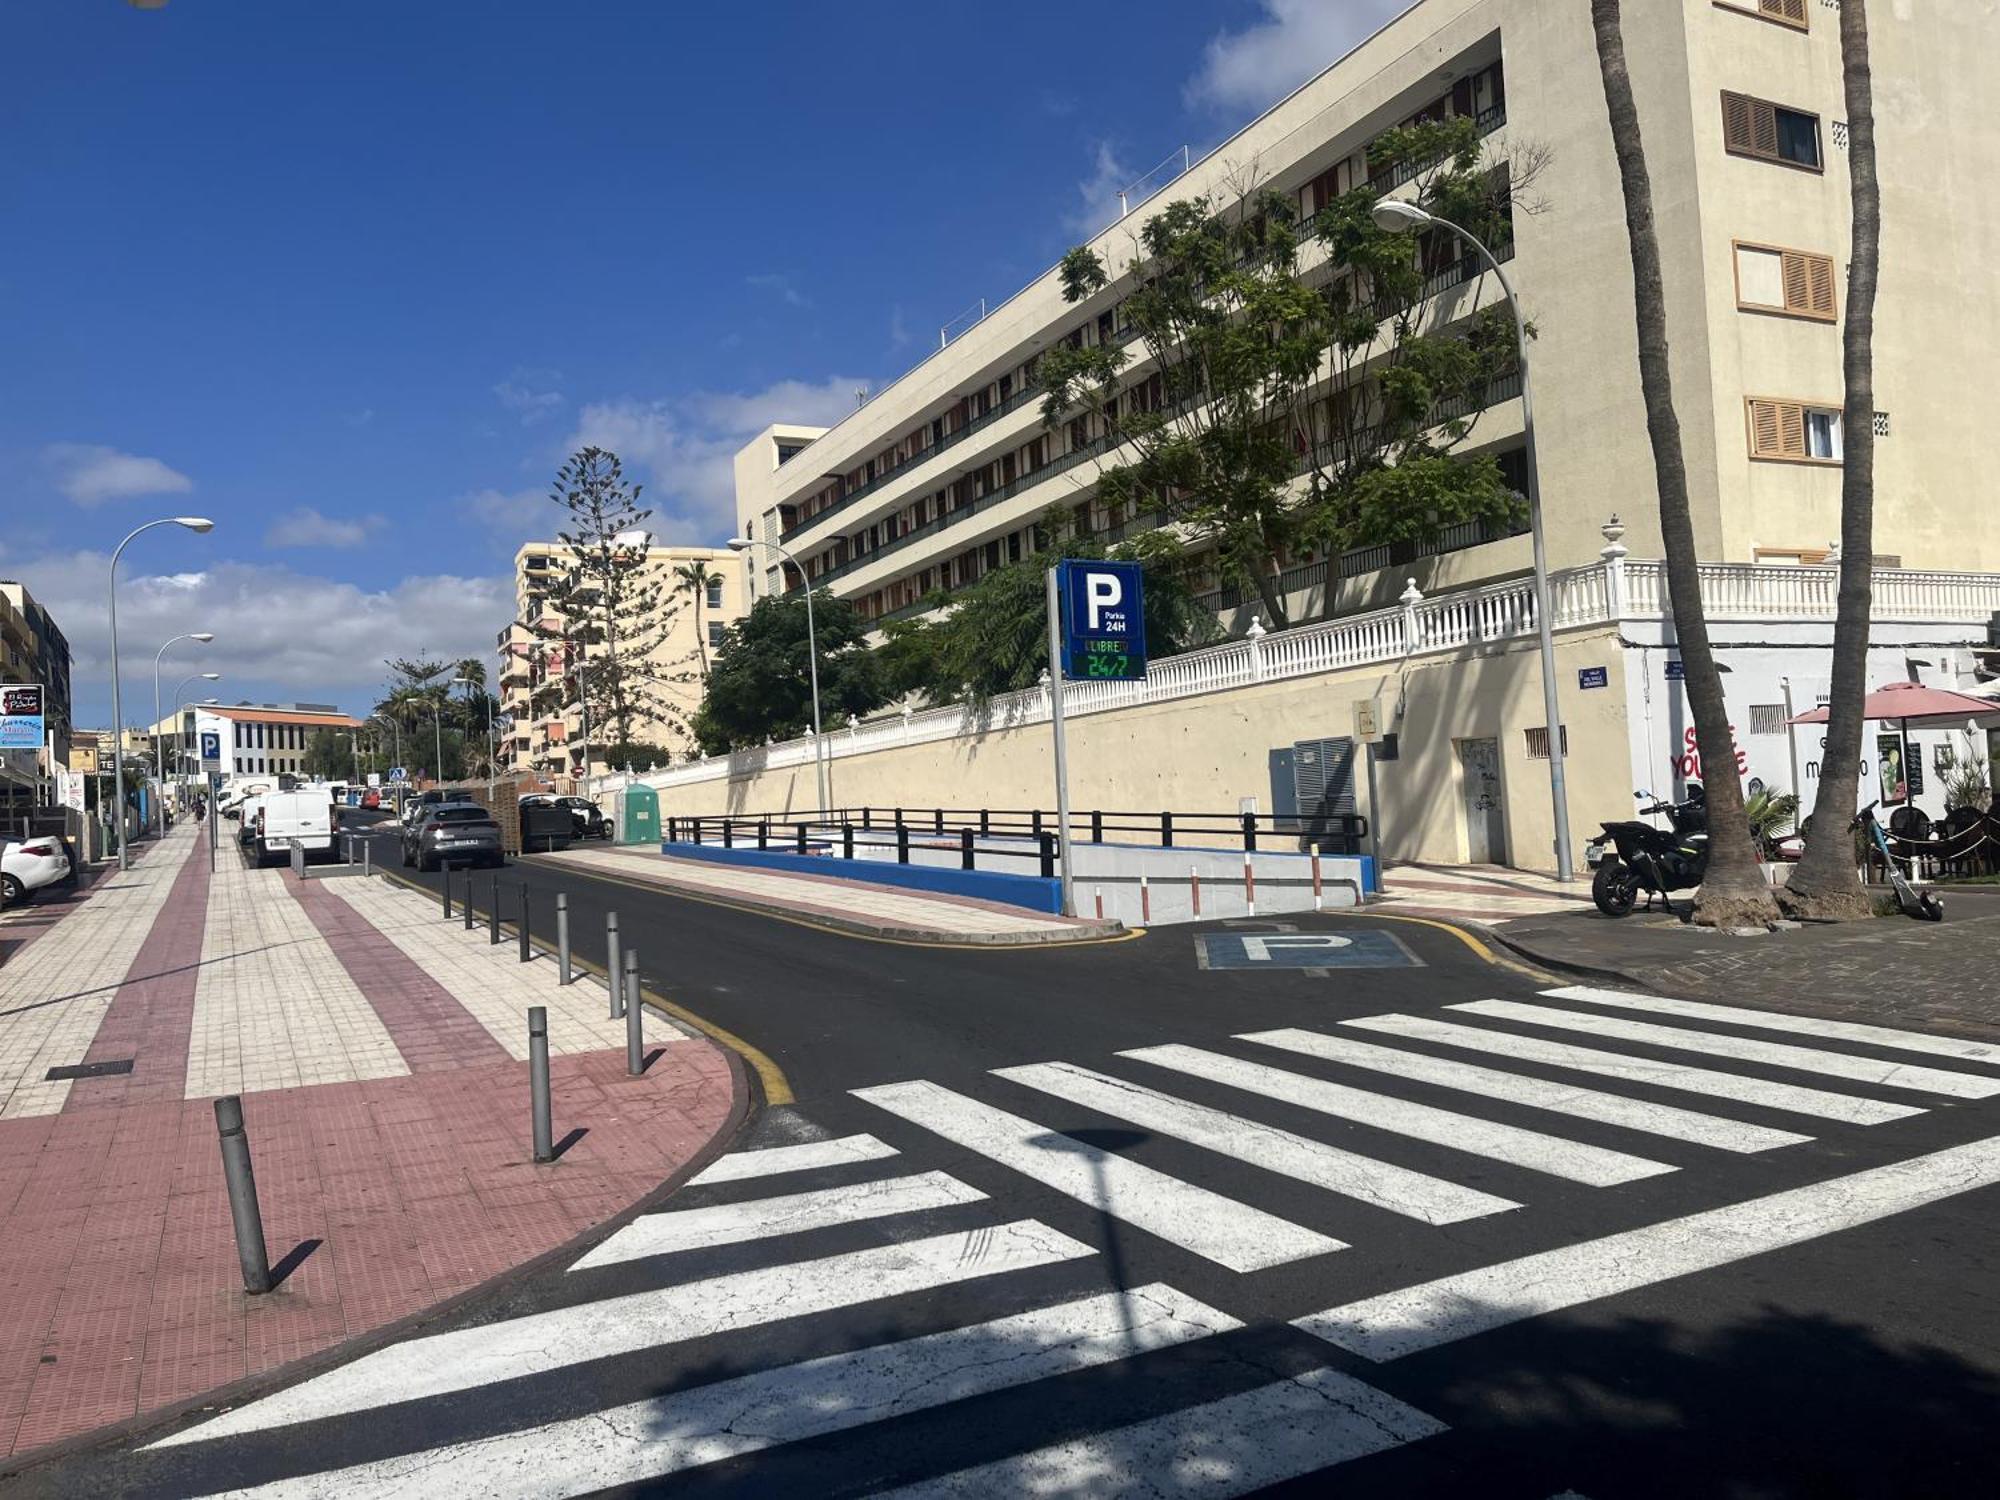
(1249, 885)
(538, 1082)
(562, 937)
(1194, 888)
(298, 859)
(1098, 892)
(612, 963)
(635, 1017)
(1145, 902)
(242, 1184)
(368, 859)
(1316, 891)
(527, 952)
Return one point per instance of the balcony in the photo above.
(1396, 173)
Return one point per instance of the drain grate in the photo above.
(90, 1070)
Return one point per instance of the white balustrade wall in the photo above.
(1580, 597)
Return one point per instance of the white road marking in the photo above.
(1220, 1229)
(1961, 1048)
(666, 1434)
(762, 1218)
(471, 1357)
(1397, 1189)
(1440, 1312)
(1207, 1452)
(804, 1157)
(1572, 1160)
(1683, 1077)
(1746, 1049)
(1537, 1093)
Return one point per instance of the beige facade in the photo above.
(548, 738)
(944, 472)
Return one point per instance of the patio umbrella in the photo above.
(1907, 704)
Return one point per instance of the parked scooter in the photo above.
(1645, 857)
(1925, 906)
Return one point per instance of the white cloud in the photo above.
(280, 634)
(91, 473)
(684, 449)
(519, 396)
(306, 527)
(514, 516)
(781, 282)
(1249, 70)
(1098, 193)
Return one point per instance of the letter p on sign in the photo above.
(1101, 592)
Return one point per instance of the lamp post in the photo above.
(741, 543)
(197, 524)
(437, 736)
(180, 739)
(1394, 215)
(487, 703)
(159, 750)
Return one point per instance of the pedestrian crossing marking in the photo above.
(1746, 1049)
(803, 1157)
(1416, 1318)
(467, 1358)
(1596, 1166)
(1207, 1452)
(762, 1218)
(1208, 1224)
(1537, 1093)
(664, 1435)
(1684, 1077)
(1348, 1173)
(1961, 1048)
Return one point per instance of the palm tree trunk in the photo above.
(1734, 894)
(1825, 884)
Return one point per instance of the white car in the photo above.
(29, 864)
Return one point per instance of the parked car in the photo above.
(306, 815)
(458, 833)
(371, 798)
(415, 809)
(587, 820)
(27, 865)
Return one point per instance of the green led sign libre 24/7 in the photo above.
(1104, 620)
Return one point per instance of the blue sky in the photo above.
(352, 279)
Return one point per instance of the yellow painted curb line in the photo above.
(771, 1078)
(1540, 976)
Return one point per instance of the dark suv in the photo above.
(585, 816)
(455, 833)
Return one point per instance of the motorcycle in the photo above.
(1645, 857)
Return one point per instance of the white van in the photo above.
(305, 815)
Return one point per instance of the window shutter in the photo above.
(1777, 429)
(1750, 125)
(1819, 285)
(1797, 290)
(1791, 11)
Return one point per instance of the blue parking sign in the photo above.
(1103, 618)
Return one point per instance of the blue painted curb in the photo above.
(1029, 891)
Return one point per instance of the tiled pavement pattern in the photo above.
(54, 993)
(1481, 894)
(819, 895)
(119, 1287)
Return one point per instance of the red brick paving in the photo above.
(119, 1287)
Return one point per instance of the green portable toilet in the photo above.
(638, 815)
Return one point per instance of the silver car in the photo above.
(454, 833)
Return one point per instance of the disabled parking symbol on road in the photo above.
(1312, 951)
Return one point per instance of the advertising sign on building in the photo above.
(20, 716)
(69, 789)
(1104, 620)
(1368, 721)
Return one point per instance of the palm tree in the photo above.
(1734, 893)
(1825, 885)
(693, 580)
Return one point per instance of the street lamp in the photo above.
(741, 543)
(196, 524)
(396, 730)
(1395, 215)
(467, 682)
(180, 739)
(204, 637)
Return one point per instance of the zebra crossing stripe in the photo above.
(470, 1357)
(1747, 1049)
(1208, 1452)
(1220, 1229)
(804, 1157)
(1397, 1189)
(761, 1218)
(667, 1434)
(1440, 1312)
(1964, 1049)
(1597, 1166)
(1537, 1093)
(1791, 1097)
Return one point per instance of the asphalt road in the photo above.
(1744, 1356)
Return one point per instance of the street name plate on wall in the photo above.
(1593, 677)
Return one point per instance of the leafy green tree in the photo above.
(760, 687)
(1290, 407)
(328, 755)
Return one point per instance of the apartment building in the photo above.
(944, 473)
(33, 650)
(547, 731)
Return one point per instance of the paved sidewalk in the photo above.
(379, 1053)
(1479, 894)
(834, 901)
(1891, 970)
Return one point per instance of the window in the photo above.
(715, 593)
(1784, 12)
(1767, 718)
(1794, 431)
(1770, 132)
(715, 629)
(1795, 282)
(1538, 742)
